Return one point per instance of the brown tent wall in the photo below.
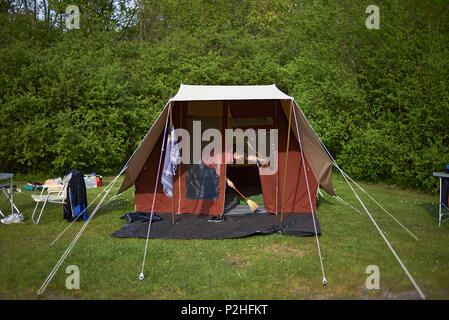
(296, 198)
(314, 152)
(296, 193)
(147, 178)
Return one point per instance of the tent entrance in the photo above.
(246, 179)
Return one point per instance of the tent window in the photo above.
(202, 183)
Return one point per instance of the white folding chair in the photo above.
(53, 196)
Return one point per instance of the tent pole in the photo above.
(286, 160)
(173, 196)
(173, 209)
(276, 121)
(179, 170)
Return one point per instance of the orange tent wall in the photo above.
(296, 193)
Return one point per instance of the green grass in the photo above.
(257, 199)
(258, 267)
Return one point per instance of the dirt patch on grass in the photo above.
(408, 295)
(388, 295)
(300, 288)
(237, 262)
(167, 293)
(283, 249)
(64, 297)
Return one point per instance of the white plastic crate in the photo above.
(91, 182)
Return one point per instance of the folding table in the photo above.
(8, 176)
(444, 195)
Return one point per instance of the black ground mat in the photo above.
(190, 226)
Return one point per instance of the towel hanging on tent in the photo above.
(170, 162)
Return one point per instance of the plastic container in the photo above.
(91, 182)
(99, 180)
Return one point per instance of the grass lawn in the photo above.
(258, 267)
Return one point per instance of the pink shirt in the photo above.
(216, 159)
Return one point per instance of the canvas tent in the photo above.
(218, 106)
(221, 107)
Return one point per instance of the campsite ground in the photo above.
(258, 267)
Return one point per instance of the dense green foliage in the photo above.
(84, 98)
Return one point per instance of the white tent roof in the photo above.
(209, 93)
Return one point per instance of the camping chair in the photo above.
(53, 196)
